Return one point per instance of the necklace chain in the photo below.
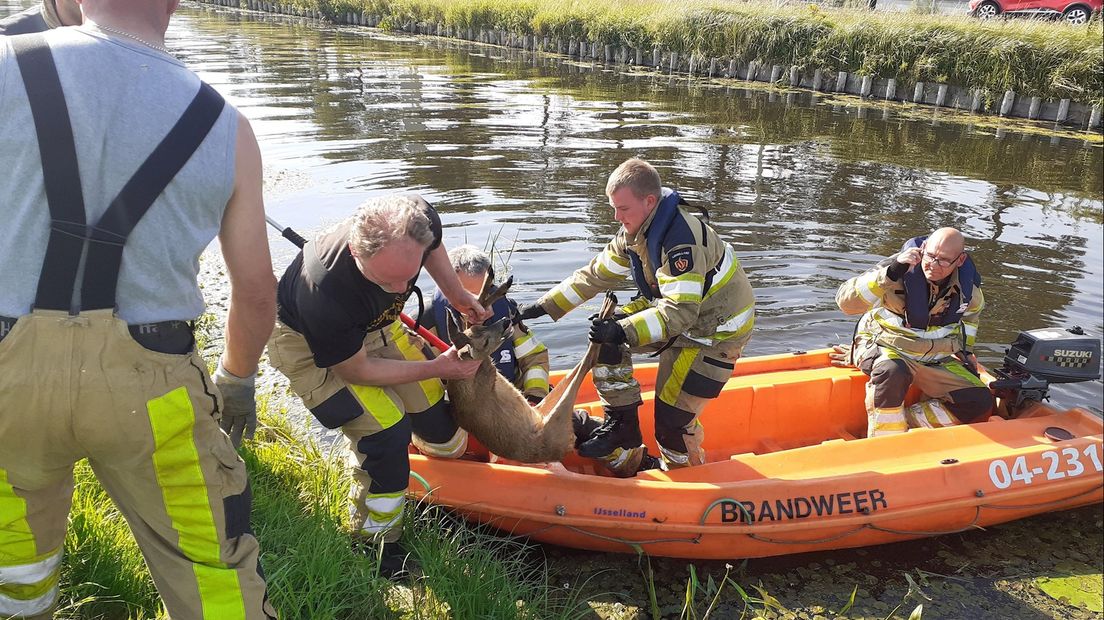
(160, 48)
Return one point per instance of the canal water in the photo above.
(514, 148)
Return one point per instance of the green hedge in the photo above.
(1034, 58)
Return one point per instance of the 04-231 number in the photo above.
(1065, 463)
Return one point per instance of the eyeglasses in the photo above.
(939, 260)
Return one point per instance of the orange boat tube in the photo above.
(789, 470)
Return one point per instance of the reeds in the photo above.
(1031, 57)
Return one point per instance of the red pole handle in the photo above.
(424, 333)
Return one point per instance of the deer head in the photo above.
(479, 341)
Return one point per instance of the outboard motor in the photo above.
(1040, 357)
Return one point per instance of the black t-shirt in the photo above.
(323, 296)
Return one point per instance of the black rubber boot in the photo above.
(584, 425)
(620, 430)
(651, 462)
(396, 563)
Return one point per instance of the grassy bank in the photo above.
(300, 517)
(1033, 58)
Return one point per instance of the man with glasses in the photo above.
(920, 312)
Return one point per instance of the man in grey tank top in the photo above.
(120, 167)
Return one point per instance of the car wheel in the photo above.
(1076, 15)
(987, 10)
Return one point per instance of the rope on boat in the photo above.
(624, 541)
(1050, 503)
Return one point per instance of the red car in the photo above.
(1072, 11)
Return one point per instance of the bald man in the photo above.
(920, 310)
(50, 14)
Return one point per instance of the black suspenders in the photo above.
(74, 246)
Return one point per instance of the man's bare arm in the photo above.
(245, 249)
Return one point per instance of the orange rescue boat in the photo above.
(789, 470)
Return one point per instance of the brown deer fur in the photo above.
(491, 408)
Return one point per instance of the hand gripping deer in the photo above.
(491, 408)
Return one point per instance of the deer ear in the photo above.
(457, 337)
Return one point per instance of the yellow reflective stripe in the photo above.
(895, 323)
(729, 265)
(970, 329)
(453, 448)
(17, 543)
(610, 266)
(649, 325)
(890, 420)
(867, 286)
(679, 370)
(385, 511)
(957, 369)
(378, 404)
(527, 345)
(740, 323)
(535, 379)
(184, 489)
(684, 288)
(565, 296)
(10, 606)
(636, 305)
(433, 389)
(28, 591)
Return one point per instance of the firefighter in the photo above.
(522, 359)
(50, 14)
(695, 307)
(357, 368)
(119, 182)
(920, 310)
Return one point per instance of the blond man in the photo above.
(695, 306)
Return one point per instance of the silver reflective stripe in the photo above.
(735, 323)
(678, 458)
(28, 574)
(526, 346)
(452, 448)
(724, 272)
(32, 607)
(896, 323)
(385, 512)
(867, 286)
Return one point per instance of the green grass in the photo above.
(300, 516)
(1033, 58)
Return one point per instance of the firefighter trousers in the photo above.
(80, 387)
(690, 374)
(952, 394)
(374, 420)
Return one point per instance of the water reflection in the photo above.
(514, 146)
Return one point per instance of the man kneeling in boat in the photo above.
(920, 318)
(695, 306)
(356, 367)
(522, 359)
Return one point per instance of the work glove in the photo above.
(616, 316)
(526, 313)
(239, 404)
(841, 355)
(607, 331)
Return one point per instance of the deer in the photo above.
(491, 408)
